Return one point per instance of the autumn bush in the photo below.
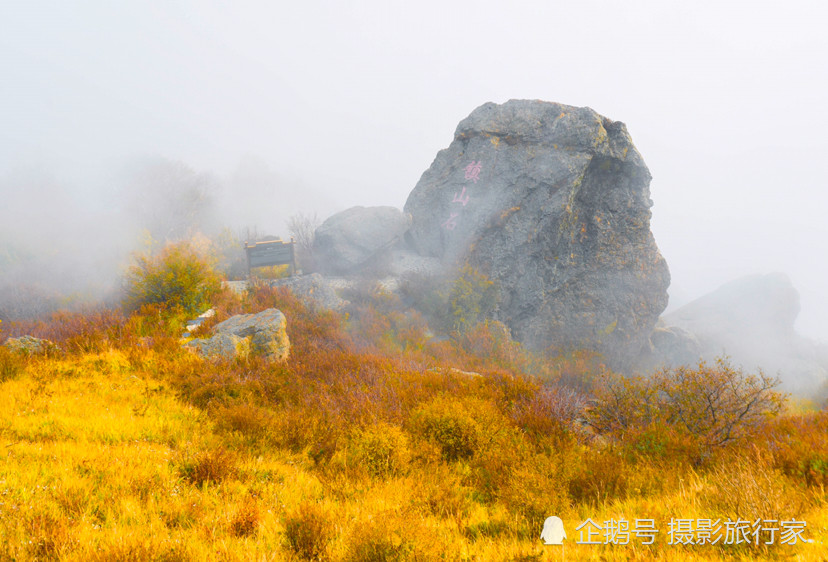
(455, 303)
(84, 330)
(212, 465)
(458, 428)
(308, 531)
(600, 475)
(245, 520)
(11, 364)
(382, 449)
(176, 277)
(684, 413)
(748, 486)
(472, 298)
(800, 447)
(552, 415)
(312, 329)
(490, 342)
(385, 538)
(442, 493)
(535, 486)
(578, 369)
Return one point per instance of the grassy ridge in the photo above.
(373, 442)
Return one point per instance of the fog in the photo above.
(264, 111)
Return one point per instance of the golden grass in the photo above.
(146, 453)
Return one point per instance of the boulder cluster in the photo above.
(549, 201)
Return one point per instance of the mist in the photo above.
(121, 119)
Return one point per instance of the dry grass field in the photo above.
(375, 441)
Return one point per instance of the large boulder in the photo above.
(356, 238)
(263, 334)
(552, 202)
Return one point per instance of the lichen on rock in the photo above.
(263, 334)
(30, 345)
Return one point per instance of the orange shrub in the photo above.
(685, 412)
(308, 531)
(458, 428)
(85, 330)
(11, 364)
(800, 447)
(210, 465)
(245, 520)
(382, 449)
(552, 416)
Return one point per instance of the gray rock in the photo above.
(670, 346)
(751, 320)
(30, 345)
(262, 334)
(237, 287)
(313, 287)
(552, 202)
(192, 325)
(759, 306)
(220, 346)
(357, 238)
(405, 262)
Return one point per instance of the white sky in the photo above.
(352, 100)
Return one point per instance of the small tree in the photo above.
(693, 408)
(718, 403)
(302, 229)
(177, 277)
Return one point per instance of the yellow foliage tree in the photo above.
(177, 277)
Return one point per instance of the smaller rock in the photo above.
(237, 287)
(670, 346)
(314, 287)
(263, 334)
(357, 238)
(199, 320)
(30, 345)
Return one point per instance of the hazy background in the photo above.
(276, 108)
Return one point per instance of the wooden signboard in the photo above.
(264, 254)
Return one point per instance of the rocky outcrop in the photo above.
(763, 307)
(356, 239)
(552, 202)
(750, 320)
(263, 334)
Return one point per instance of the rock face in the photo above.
(352, 239)
(262, 334)
(552, 202)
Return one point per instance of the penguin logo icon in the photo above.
(553, 531)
